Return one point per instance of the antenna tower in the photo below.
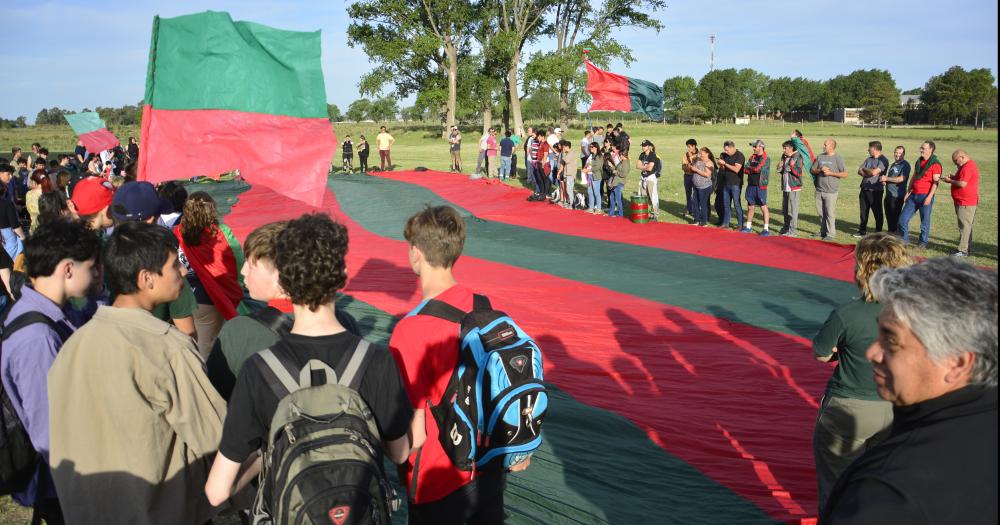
(711, 57)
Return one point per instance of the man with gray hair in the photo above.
(935, 360)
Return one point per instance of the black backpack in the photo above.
(18, 459)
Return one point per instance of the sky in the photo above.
(76, 54)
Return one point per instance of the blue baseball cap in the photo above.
(138, 201)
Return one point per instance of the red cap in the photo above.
(92, 195)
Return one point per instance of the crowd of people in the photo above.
(139, 372)
(892, 192)
(383, 143)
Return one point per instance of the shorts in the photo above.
(756, 196)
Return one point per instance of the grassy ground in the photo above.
(421, 145)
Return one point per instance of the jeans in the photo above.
(11, 242)
(512, 172)
(593, 192)
(720, 193)
(648, 187)
(615, 202)
(893, 207)
(870, 200)
(504, 167)
(479, 161)
(689, 193)
(529, 168)
(912, 206)
(732, 194)
(701, 196)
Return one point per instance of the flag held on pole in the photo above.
(224, 95)
(614, 92)
(92, 131)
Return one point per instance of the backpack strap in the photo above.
(274, 319)
(30, 318)
(443, 310)
(280, 380)
(480, 303)
(355, 367)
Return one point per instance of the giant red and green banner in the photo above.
(92, 131)
(684, 389)
(224, 95)
(614, 92)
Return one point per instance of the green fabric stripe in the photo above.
(774, 299)
(207, 61)
(646, 97)
(85, 122)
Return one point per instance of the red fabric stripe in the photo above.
(609, 90)
(506, 204)
(99, 140)
(679, 375)
(214, 263)
(290, 155)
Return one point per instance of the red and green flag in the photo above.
(614, 92)
(92, 131)
(224, 95)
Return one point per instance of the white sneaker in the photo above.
(960, 254)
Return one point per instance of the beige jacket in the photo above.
(134, 422)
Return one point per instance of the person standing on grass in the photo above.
(588, 137)
(506, 151)
(598, 136)
(758, 170)
(492, 166)
(455, 149)
(530, 150)
(347, 149)
(689, 158)
(872, 186)
(133, 417)
(384, 142)
(543, 182)
(363, 154)
(731, 170)
(895, 187)
(852, 417)
(965, 193)
(828, 169)
(703, 169)
(481, 158)
(62, 262)
(919, 196)
(619, 161)
(516, 138)
(591, 170)
(567, 167)
(650, 167)
(792, 168)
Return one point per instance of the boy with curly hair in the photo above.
(309, 258)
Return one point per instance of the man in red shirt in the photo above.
(919, 196)
(426, 349)
(965, 192)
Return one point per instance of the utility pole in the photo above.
(711, 56)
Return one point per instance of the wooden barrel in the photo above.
(640, 209)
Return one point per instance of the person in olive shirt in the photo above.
(852, 417)
(828, 169)
(895, 180)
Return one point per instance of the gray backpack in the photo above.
(323, 461)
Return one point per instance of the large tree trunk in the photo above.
(515, 99)
(452, 55)
(564, 104)
(487, 120)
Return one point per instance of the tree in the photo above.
(958, 95)
(690, 112)
(520, 22)
(359, 110)
(383, 109)
(51, 116)
(678, 92)
(584, 24)
(719, 93)
(542, 105)
(416, 46)
(880, 101)
(334, 113)
(753, 86)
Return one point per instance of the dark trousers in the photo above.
(720, 197)
(701, 196)
(542, 184)
(893, 207)
(689, 193)
(871, 200)
(478, 503)
(513, 166)
(385, 159)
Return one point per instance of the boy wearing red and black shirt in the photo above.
(965, 193)
(426, 349)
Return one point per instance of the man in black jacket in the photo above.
(936, 361)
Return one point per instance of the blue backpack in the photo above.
(495, 401)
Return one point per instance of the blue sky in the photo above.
(76, 54)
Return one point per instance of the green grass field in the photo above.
(421, 145)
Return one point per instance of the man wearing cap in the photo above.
(455, 147)
(139, 202)
(758, 170)
(92, 197)
(650, 166)
(731, 178)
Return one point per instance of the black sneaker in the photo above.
(858, 235)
